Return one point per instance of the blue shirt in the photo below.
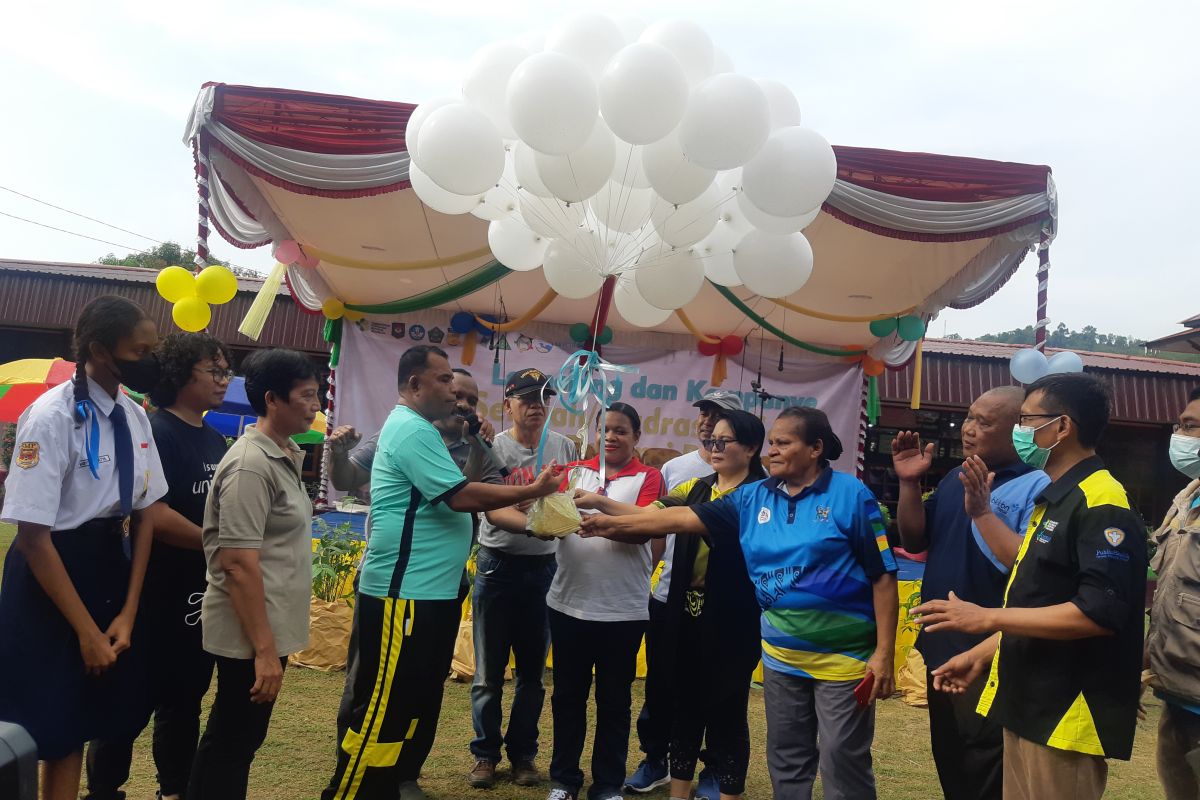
(959, 558)
(418, 543)
(812, 559)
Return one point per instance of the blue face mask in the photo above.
(1185, 454)
(1027, 449)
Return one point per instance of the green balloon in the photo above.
(883, 327)
(605, 336)
(911, 328)
(579, 332)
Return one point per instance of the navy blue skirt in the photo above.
(43, 684)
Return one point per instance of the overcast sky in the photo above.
(95, 96)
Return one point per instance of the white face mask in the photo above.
(1185, 454)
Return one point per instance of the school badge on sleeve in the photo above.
(1114, 536)
(28, 455)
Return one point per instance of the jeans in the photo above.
(236, 729)
(609, 648)
(509, 608)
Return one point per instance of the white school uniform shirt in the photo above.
(49, 482)
(599, 579)
(675, 472)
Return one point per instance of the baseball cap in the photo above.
(525, 381)
(722, 398)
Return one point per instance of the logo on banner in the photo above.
(398, 330)
(416, 332)
(764, 516)
(436, 335)
(524, 343)
(1114, 536)
(542, 347)
(379, 328)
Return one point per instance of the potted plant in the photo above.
(335, 559)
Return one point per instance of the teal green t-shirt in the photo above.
(418, 544)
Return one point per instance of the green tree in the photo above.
(169, 254)
(1088, 340)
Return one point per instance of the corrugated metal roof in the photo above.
(956, 372)
(44, 295)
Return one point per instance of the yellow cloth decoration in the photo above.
(504, 327)
(808, 312)
(256, 317)
(356, 263)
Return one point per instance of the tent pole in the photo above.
(1043, 275)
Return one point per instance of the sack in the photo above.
(554, 515)
(911, 680)
(328, 636)
(462, 666)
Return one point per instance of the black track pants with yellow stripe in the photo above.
(404, 652)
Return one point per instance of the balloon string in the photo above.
(582, 378)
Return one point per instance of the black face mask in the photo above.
(141, 375)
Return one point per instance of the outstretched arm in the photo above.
(669, 520)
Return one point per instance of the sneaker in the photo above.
(613, 797)
(707, 787)
(409, 790)
(483, 775)
(559, 793)
(524, 773)
(649, 776)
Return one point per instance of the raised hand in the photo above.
(977, 487)
(343, 438)
(909, 459)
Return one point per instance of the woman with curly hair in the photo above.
(194, 376)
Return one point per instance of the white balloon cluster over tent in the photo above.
(898, 233)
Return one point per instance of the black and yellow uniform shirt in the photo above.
(1084, 546)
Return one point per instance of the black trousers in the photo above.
(654, 721)
(236, 729)
(711, 698)
(610, 649)
(968, 749)
(404, 649)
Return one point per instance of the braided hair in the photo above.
(104, 321)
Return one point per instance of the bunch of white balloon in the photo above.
(618, 150)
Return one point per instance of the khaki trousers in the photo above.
(1036, 772)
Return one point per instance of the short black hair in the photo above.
(104, 321)
(461, 371)
(178, 354)
(635, 419)
(277, 371)
(413, 361)
(749, 431)
(816, 429)
(1194, 395)
(1082, 397)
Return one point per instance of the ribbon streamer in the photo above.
(873, 405)
(429, 263)
(691, 326)
(915, 403)
(808, 312)
(504, 327)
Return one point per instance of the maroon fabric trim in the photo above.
(336, 194)
(927, 176)
(995, 288)
(310, 121)
(238, 243)
(237, 200)
(918, 236)
(287, 279)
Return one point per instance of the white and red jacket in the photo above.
(599, 579)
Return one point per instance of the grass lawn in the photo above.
(297, 757)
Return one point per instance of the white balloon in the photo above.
(670, 173)
(627, 168)
(461, 150)
(773, 266)
(732, 226)
(515, 246)
(550, 216)
(721, 61)
(718, 264)
(792, 174)
(785, 108)
(412, 130)
(771, 224)
(631, 28)
(621, 208)
(486, 84)
(672, 281)
(525, 168)
(590, 39)
(533, 41)
(582, 173)
(643, 93)
(438, 198)
(552, 103)
(570, 267)
(687, 224)
(634, 308)
(496, 203)
(726, 123)
(688, 41)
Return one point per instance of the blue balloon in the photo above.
(1028, 365)
(1066, 361)
(462, 322)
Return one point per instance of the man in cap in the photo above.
(513, 574)
(654, 721)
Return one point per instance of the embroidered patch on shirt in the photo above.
(1114, 536)
(1051, 525)
(764, 516)
(28, 455)
(822, 513)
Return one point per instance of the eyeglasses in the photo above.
(716, 445)
(1024, 417)
(219, 375)
(1186, 428)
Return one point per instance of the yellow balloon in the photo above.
(175, 283)
(333, 308)
(216, 285)
(191, 314)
